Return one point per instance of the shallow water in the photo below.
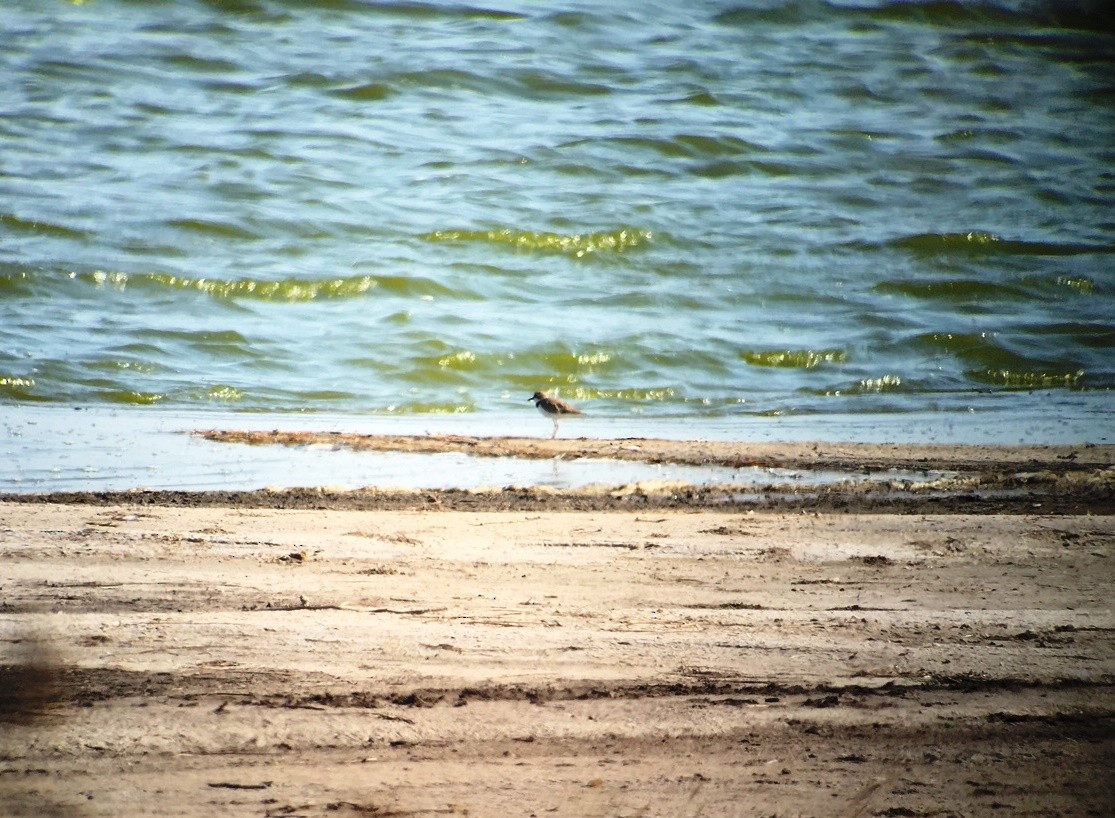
(709, 211)
(119, 448)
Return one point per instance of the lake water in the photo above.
(708, 213)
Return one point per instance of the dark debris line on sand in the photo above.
(829, 501)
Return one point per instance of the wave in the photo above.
(420, 11)
(1081, 284)
(128, 397)
(795, 358)
(18, 389)
(882, 384)
(578, 245)
(1012, 379)
(1051, 15)
(1042, 287)
(364, 92)
(305, 289)
(953, 290)
(430, 408)
(621, 373)
(16, 283)
(976, 242)
(1096, 336)
(209, 227)
(714, 148)
(1083, 16)
(407, 10)
(530, 84)
(26, 282)
(124, 392)
(990, 362)
(14, 224)
(972, 348)
(632, 394)
(545, 84)
(439, 365)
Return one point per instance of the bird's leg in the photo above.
(554, 435)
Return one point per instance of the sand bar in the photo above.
(850, 456)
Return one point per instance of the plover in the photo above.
(553, 409)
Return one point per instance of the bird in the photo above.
(553, 408)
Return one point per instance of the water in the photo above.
(713, 213)
(116, 449)
(106, 448)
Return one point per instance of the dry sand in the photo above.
(644, 654)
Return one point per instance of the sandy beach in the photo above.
(889, 649)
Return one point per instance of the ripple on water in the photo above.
(767, 211)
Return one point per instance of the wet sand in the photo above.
(633, 651)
